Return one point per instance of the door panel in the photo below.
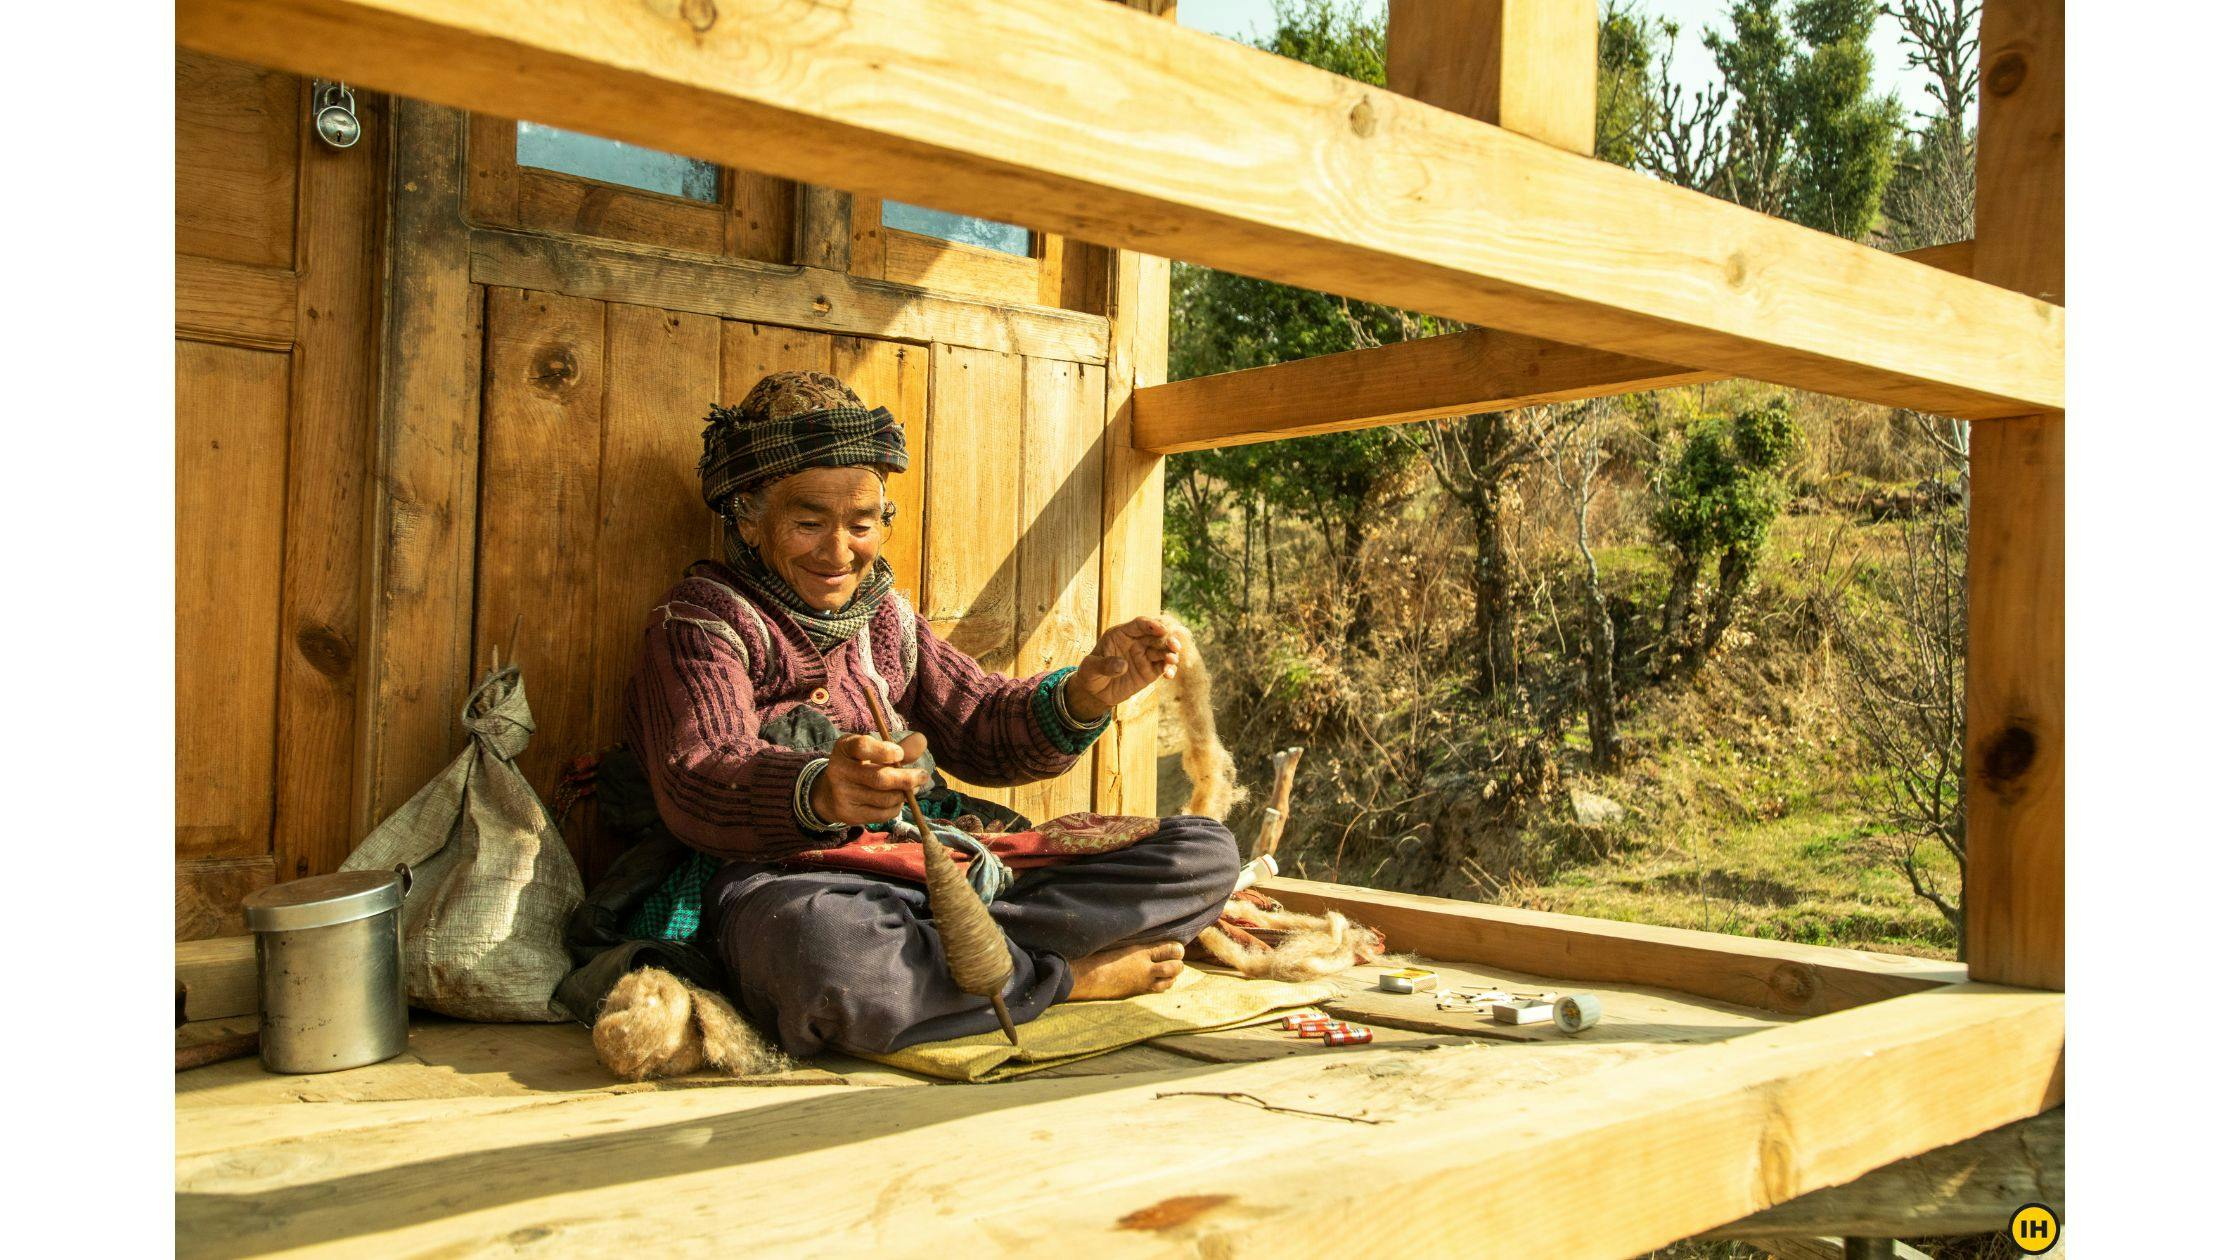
(237, 142)
(231, 482)
(277, 292)
(544, 363)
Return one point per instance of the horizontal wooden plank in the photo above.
(1629, 1159)
(1112, 126)
(1970, 1187)
(930, 262)
(1475, 370)
(1565, 1150)
(220, 975)
(206, 894)
(1770, 975)
(236, 304)
(768, 293)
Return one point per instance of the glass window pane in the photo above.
(573, 153)
(963, 228)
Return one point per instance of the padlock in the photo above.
(336, 116)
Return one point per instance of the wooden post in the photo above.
(420, 608)
(2012, 891)
(823, 224)
(1278, 814)
(1527, 66)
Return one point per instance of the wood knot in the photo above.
(700, 15)
(553, 369)
(1738, 270)
(2007, 73)
(1793, 987)
(2007, 756)
(1364, 119)
(326, 650)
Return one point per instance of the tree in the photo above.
(1905, 698)
(1581, 448)
(1793, 127)
(1717, 492)
(1624, 85)
(1932, 194)
(1223, 323)
(1477, 458)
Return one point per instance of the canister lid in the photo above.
(322, 900)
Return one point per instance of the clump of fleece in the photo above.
(1306, 945)
(653, 1024)
(1213, 772)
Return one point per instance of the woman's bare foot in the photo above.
(1126, 972)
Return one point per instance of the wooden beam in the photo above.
(1770, 975)
(1097, 123)
(1465, 1151)
(420, 607)
(220, 975)
(235, 304)
(763, 293)
(1619, 1162)
(1475, 370)
(1970, 1187)
(1526, 65)
(2012, 891)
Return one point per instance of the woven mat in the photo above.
(1200, 1001)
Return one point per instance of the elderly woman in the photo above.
(749, 715)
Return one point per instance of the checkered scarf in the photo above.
(827, 630)
(741, 449)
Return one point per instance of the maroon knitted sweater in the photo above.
(711, 672)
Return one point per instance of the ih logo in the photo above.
(2034, 1228)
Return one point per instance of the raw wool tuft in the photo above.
(1213, 772)
(653, 1024)
(1307, 946)
(730, 1043)
(645, 1027)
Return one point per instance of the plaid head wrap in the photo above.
(788, 422)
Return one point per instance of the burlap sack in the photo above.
(492, 880)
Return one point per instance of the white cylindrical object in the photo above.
(1577, 1012)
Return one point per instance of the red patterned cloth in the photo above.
(1062, 838)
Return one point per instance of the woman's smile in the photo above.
(821, 531)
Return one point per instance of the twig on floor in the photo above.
(1264, 1104)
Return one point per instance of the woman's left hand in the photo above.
(1127, 658)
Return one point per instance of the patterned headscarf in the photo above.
(788, 422)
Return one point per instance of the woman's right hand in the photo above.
(865, 781)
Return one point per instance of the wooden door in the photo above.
(276, 305)
(602, 344)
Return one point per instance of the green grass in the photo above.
(1745, 810)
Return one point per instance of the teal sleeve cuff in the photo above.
(1059, 726)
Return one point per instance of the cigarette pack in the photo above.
(1522, 1010)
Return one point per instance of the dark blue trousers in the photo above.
(837, 959)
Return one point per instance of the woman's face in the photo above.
(820, 531)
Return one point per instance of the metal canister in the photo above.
(330, 970)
